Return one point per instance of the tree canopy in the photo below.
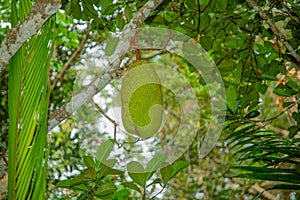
(157, 99)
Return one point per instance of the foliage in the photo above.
(99, 178)
(261, 76)
(28, 98)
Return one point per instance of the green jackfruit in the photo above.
(142, 101)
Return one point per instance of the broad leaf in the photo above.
(105, 190)
(104, 150)
(137, 173)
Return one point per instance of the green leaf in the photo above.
(105, 190)
(287, 104)
(105, 4)
(156, 162)
(263, 89)
(220, 5)
(231, 95)
(93, 1)
(296, 117)
(293, 130)
(120, 22)
(76, 12)
(63, 184)
(111, 44)
(191, 4)
(252, 114)
(68, 8)
(128, 13)
(206, 42)
(104, 150)
(227, 65)
(178, 166)
(284, 187)
(166, 173)
(90, 172)
(81, 187)
(122, 194)
(205, 21)
(293, 85)
(88, 161)
(131, 185)
(156, 181)
(28, 101)
(137, 173)
(89, 10)
(79, 179)
(282, 90)
(291, 178)
(106, 168)
(204, 2)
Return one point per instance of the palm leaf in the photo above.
(269, 153)
(28, 110)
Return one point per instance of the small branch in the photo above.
(277, 115)
(104, 114)
(17, 36)
(289, 12)
(275, 29)
(135, 45)
(135, 42)
(109, 119)
(68, 63)
(147, 48)
(199, 18)
(154, 55)
(163, 188)
(4, 158)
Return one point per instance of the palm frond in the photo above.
(28, 110)
(268, 156)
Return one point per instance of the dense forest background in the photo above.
(62, 67)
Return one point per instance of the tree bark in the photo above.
(17, 36)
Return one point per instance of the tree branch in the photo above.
(68, 63)
(275, 29)
(105, 77)
(40, 13)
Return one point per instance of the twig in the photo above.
(104, 114)
(277, 115)
(289, 12)
(4, 158)
(154, 55)
(275, 29)
(109, 119)
(163, 187)
(68, 63)
(135, 42)
(135, 45)
(17, 36)
(199, 18)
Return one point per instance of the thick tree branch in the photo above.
(275, 29)
(40, 13)
(114, 62)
